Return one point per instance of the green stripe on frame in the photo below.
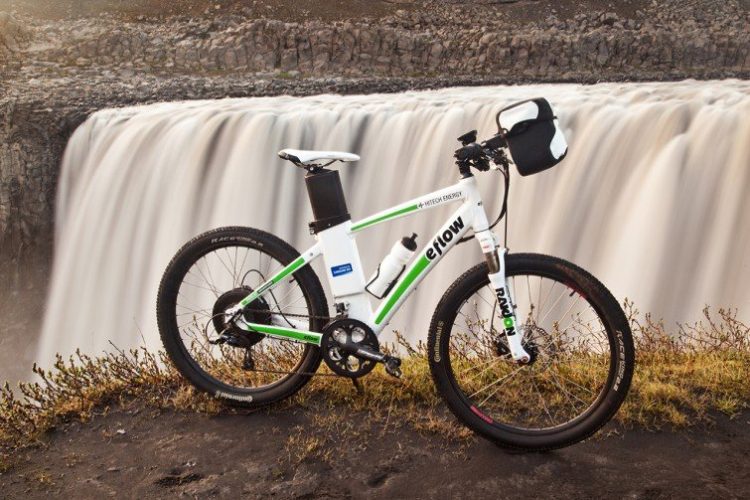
(413, 273)
(387, 216)
(289, 269)
(289, 333)
(296, 264)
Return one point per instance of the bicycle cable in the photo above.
(503, 209)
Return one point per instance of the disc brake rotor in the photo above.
(536, 341)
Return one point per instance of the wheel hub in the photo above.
(536, 341)
(257, 312)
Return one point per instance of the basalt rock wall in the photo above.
(53, 74)
(604, 46)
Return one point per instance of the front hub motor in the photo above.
(341, 340)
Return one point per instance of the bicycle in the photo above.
(527, 350)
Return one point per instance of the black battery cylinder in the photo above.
(327, 200)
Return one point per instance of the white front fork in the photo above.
(506, 304)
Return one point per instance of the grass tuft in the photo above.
(682, 377)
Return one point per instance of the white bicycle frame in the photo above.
(345, 275)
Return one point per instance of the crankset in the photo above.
(351, 349)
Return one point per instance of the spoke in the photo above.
(491, 384)
(206, 280)
(202, 312)
(295, 301)
(571, 307)
(544, 404)
(469, 324)
(580, 321)
(277, 301)
(566, 379)
(485, 369)
(191, 322)
(218, 256)
(485, 300)
(268, 267)
(192, 309)
(183, 301)
(531, 303)
(234, 266)
(242, 266)
(541, 303)
(566, 393)
(198, 286)
(541, 321)
(475, 367)
(210, 275)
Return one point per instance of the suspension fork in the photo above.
(507, 306)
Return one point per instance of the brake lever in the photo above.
(499, 159)
(482, 164)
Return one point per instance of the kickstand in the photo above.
(358, 386)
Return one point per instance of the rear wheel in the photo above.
(573, 328)
(211, 273)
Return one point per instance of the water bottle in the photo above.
(389, 270)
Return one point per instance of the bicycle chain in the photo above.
(294, 315)
(309, 374)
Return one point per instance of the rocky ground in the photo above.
(533, 40)
(138, 453)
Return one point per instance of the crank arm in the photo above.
(392, 363)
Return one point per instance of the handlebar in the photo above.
(478, 155)
(471, 151)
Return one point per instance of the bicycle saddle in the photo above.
(310, 157)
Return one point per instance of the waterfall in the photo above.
(653, 197)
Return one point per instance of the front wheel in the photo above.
(581, 349)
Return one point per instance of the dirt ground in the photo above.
(301, 10)
(138, 453)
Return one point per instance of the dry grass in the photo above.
(681, 378)
(684, 377)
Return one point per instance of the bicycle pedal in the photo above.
(393, 366)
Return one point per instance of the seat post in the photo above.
(327, 199)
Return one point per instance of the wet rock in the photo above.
(12, 34)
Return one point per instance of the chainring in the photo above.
(257, 312)
(341, 338)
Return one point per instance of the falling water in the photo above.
(653, 198)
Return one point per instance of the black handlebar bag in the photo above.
(535, 139)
